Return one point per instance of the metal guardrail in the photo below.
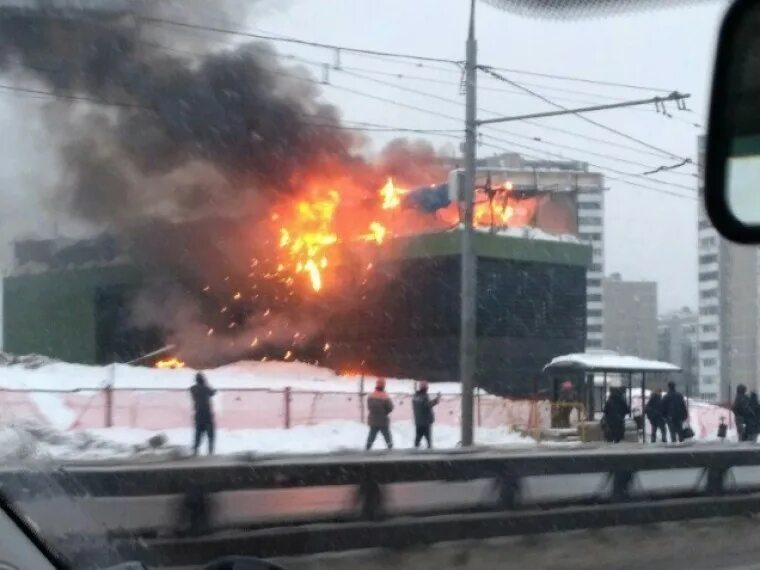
(176, 477)
(198, 479)
(410, 531)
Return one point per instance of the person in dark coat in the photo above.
(745, 415)
(204, 414)
(675, 412)
(615, 410)
(423, 415)
(754, 425)
(653, 411)
(379, 407)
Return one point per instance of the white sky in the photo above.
(649, 235)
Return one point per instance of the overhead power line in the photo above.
(284, 39)
(582, 117)
(347, 69)
(459, 103)
(580, 79)
(607, 175)
(362, 127)
(70, 97)
(229, 28)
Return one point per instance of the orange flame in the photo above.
(391, 195)
(312, 234)
(310, 229)
(172, 362)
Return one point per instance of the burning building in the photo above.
(386, 306)
(241, 220)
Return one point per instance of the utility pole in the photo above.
(468, 341)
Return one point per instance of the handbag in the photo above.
(687, 432)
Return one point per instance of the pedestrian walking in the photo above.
(615, 410)
(423, 415)
(653, 411)
(743, 412)
(566, 402)
(379, 407)
(675, 412)
(204, 413)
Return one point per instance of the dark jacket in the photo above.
(674, 407)
(379, 406)
(653, 408)
(742, 409)
(567, 396)
(754, 403)
(423, 409)
(201, 394)
(616, 408)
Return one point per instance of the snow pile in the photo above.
(608, 360)
(33, 441)
(528, 232)
(31, 361)
(244, 374)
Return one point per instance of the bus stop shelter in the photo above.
(586, 368)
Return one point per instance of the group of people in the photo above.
(747, 413)
(380, 406)
(668, 411)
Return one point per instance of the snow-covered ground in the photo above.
(58, 410)
(27, 441)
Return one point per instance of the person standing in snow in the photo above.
(379, 407)
(754, 426)
(423, 415)
(675, 411)
(615, 410)
(653, 411)
(204, 414)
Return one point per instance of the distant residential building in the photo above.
(630, 316)
(729, 308)
(677, 343)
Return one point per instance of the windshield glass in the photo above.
(271, 234)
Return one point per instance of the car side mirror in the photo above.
(732, 175)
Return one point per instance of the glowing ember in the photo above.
(170, 363)
(377, 232)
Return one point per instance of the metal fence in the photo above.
(245, 408)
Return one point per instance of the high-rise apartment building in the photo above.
(729, 323)
(677, 343)
(630, 316)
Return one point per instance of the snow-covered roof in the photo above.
(608, 361)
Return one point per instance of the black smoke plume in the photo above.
(156, 124)
(243, 123)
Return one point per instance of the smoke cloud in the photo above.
(155, 109)
(156, 123)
